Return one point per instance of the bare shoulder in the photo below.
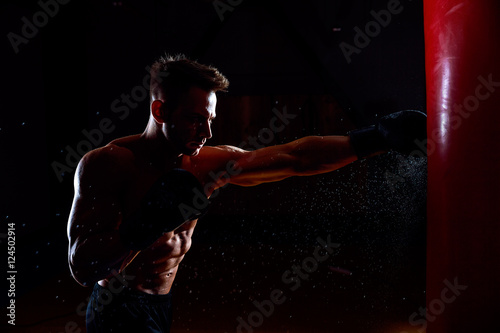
(215, 157)
(212, 162)
(225, 151)
(105, 165)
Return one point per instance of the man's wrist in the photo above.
(367, 141)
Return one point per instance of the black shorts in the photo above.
(128, 311)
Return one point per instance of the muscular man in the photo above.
(137, 200)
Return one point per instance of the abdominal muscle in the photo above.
(153, 270)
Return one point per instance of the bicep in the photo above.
(267, 164)
(218, 166)
(303, 157)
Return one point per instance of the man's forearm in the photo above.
(96, 257)
(307, 156)
(319, 154)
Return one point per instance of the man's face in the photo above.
(190, 124)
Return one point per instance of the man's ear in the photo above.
(158, 111)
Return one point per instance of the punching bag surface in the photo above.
(462, 41)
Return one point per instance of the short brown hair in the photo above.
(173, 76)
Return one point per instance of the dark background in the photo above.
(276, 54)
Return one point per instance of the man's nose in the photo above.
(206, 130)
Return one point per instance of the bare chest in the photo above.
(171, 245)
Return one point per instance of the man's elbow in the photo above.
(80, 279)
(81, 274)
(79, 268)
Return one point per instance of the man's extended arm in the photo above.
(399, 131)
(303, 157)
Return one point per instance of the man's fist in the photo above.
(169, 203)
(399, 131)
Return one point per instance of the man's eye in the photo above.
(201, 120)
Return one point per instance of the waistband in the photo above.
(128, 294)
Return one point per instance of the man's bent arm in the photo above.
(95, 249)
(98, 257)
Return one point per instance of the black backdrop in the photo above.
(80, 64)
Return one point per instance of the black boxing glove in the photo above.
(399, 131)
(173, 199)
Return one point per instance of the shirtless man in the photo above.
(137, 200)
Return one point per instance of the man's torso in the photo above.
(154, 268)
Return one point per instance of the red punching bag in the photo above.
(462, 42)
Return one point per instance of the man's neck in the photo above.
(159, 150)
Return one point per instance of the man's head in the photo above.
(183, 100)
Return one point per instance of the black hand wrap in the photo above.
(173, 199)
(399, 131)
